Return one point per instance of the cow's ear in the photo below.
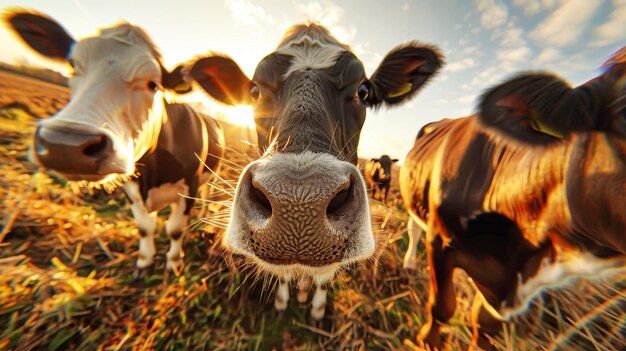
(394, 160)
(41, 33)
(533, 107)
(403, 72)
(222, 79)
(175, 81)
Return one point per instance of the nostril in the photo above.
(98, 147)
(262, 199)
(340, 199)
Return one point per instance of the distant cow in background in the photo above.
(118, 129)
(302, 209)
(377, 173)
(525, 195)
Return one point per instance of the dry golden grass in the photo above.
(68, 281)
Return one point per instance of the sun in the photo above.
(240, 115)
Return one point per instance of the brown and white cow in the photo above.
(117, 127)
(518, 208)
(302, 208)
(377, 172)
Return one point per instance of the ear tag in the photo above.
(405, 88)
(542, 128)
(182, 87)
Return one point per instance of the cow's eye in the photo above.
(153, 86)
(363, 92)
(254, 93)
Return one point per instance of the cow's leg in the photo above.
(304, 286)
(483, 324)
(320, 296)
(415, 233)
(385, 193)
(146, 223)
(175, 228)
(282, 294)
(441, 297)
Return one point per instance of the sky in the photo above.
(483, 41)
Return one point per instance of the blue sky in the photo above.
(484, 41)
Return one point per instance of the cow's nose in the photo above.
(72, 152)
(309, 221)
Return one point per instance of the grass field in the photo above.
(68, 279)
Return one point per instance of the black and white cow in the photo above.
(377, 173)
(302, 209)
(118, 129)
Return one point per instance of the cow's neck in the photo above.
(526, 172)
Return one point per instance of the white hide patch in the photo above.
(559, 274)
(311, 51)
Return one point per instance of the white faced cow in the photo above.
(516, 207)
(302, 208)
(117, 127)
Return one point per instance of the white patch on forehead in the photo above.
(314, 51)
(131, 35)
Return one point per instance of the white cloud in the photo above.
(441, 101)
(615, 29)
(493, 13)
(547, 55)
(247, 13)
(567, 23)
(463, 64)
(486, 78)
(532, 7)
(330, 15)
(466, 99)
(469, 50)
(515, 55)
(513, 37)
(405, 7)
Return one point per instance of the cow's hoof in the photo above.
(410, 265)
(280, 305)
(144, 262)
(174, 264)
(317, 313)
(429, 337)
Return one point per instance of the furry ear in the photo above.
(41, 33)
(394, 160)
(175, 81)
(539, 107)
(222, 79)
(403, 72)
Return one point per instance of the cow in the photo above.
(302, 209)
(118, 129)
(377, 173)
(527, 194)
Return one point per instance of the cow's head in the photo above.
(113, 116)
(303, 206)
(382, 166)
(539, 108)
